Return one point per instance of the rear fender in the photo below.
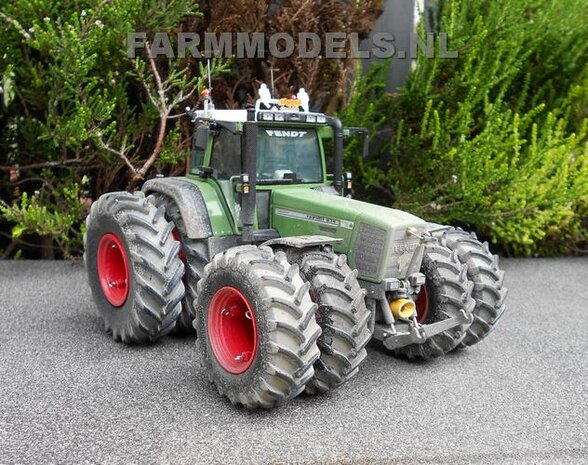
(189, 200)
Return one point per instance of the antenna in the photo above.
(209, 78)
(205, 94)
(272, 77)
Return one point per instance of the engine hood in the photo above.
(375, 238)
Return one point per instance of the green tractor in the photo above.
(284, 277)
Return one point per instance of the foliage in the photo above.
(325, 79)
(57, 216)
(72, 104)
(496, 140)
(79, 108)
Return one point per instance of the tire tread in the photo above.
(155, 305)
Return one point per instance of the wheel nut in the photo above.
(243, 357)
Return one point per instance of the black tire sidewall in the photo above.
(440, 308)
(114, 317)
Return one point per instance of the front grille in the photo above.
(369, 248)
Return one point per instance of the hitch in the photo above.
(403, 334)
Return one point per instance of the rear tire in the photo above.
(342, 315)
(194, 254)
(253, 308)
(448, 292)
(483, 270)
(134, 270)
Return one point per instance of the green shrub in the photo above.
(495, 140)
(75, 107)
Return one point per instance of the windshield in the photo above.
(289, 154)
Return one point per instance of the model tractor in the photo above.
(283, 276)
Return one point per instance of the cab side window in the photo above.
(197, 155)
(226, 155)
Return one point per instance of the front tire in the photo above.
(446, 292)
(134, 270)
(482, 270)
(256, 326)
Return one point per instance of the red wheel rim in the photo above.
(422, 304)
(232, 330)
(113, 269)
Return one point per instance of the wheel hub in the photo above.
(422, 304)
(232, 330)
(113, 269)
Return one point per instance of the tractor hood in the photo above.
(375, 238)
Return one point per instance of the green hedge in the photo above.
(496, 140)
(76, 114)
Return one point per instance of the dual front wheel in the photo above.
(271, 329)
(461, 275)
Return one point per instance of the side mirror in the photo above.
(201, 137)
(364, 133)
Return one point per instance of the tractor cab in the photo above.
(285, 154)
(276, 145)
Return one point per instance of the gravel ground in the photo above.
(70, 394)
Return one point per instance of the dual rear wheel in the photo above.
(269, 329)
(194, 255)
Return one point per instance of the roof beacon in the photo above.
(301, 100)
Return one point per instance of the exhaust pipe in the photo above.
(249, 150)
(337, 126)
